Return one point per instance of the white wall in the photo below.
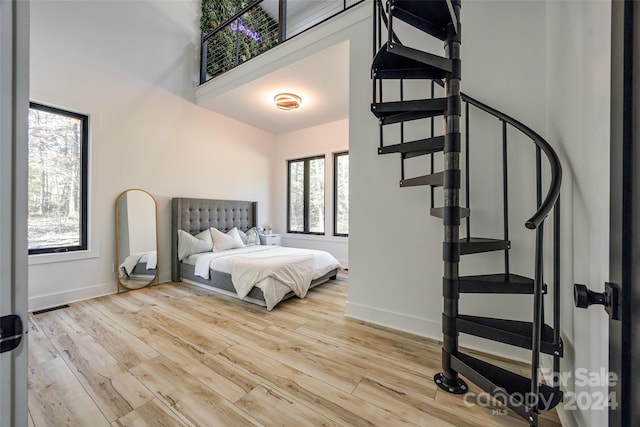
(131, 67)
(324, 140)
(578, 61)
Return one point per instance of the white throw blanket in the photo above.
(287, 265)
(294, 271)
(126, 268)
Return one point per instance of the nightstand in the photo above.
(271, 239)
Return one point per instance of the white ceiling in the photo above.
(321, 80)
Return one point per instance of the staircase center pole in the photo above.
(448, 379)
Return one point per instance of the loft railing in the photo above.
(260, 26)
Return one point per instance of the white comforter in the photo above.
(275, 270)
(126, 268)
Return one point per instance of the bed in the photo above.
(195, 216)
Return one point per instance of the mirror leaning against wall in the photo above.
(136, 239)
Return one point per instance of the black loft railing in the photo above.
(258, 27)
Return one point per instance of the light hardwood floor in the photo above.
(176, 355)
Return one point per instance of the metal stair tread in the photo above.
(432, 17)
(510, 388)
(418, 147)
(439, 212)
(403, 111)
(513, 332)
(421, 57)
(434, 179)
(408, 116)
(384, 109)
(497, 283)
(389, 65)
(474, 245)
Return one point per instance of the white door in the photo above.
(14, 104)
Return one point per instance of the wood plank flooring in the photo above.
(177, 355)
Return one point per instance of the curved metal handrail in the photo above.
(554, 162)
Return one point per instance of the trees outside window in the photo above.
(305, 211)
(58, 162)
(341, 194)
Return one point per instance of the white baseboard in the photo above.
(430, 329)
(40, 302)
(414, 325)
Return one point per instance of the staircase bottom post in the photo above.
(448, 380)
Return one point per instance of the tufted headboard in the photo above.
(196, 215)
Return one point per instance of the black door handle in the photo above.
(583, 297)
(10, 332)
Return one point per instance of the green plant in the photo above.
(250, 35)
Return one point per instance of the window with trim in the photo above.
(58, 170)
(305, 201)
(341, 194)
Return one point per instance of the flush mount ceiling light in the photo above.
(287, 101)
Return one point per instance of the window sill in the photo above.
(38, 259)
(316, 237)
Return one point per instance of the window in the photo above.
(305, 210)
(341, 194)
(58, 163)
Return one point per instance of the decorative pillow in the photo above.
(223, 242)
(251, 237)
(189, 245)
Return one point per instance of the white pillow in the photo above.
(189, 245)
(251, 237)
(223, 242)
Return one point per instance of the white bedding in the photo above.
(275, 270)
(150, 258)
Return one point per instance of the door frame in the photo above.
(14, 107)
(624, 338)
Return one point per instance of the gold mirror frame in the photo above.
(133, 283)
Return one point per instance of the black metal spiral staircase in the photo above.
(394, 63)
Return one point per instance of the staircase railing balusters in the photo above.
(376, 24)
(556, 292)
(467, 167)
(537, 323)
(402, 155)
(538, 177)
(505, 194)
(539, 202)
(432, 156)
(389, 25)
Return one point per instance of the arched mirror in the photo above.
(136, 239)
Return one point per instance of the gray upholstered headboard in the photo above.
(196, 215)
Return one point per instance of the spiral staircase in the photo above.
(393, 64)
